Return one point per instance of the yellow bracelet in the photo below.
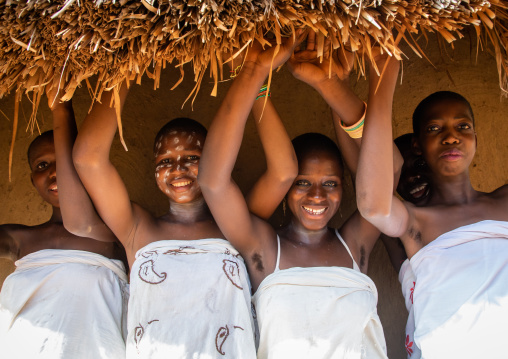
(235, 72)
(356, 130)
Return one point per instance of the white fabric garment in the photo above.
(407, 281)
(190, 299)
(461, 293)
(318, 312)
(64, 304)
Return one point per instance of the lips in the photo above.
(181, 184)
(315, 211)
(419, 190)
(53, 187)
(451, 155)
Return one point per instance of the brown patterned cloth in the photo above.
(190, 299)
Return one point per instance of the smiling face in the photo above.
(177, 155)
(42, 160)
(446, 137)
(316, 193)
(414, 183)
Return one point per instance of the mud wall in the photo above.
(302, 110)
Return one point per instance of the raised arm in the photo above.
(281, 164)
(330, 78)
(222, 144)
(375, 179)
(78, 213)
(99, 176)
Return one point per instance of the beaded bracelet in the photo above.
(263, 92)
(356, 130)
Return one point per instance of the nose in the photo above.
(450, 137)
(52, 171)
(316, 191)
(179, 167)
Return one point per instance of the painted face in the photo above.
(177, 159)
(414, 183)
(447, 139)
(317, 190)
(43, 166)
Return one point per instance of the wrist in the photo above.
(254, 70)
(61, 106)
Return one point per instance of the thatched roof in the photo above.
(75, 39)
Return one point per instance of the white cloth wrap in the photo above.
(461, 293)
(64, 304)
(190, 299)
(318, 312)
(407, 281)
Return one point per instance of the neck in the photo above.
(56, 216)
(190, 212)
(295, 232)
(452, 190)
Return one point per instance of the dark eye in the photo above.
(41, 165)
(330, 184)
(193, 158)
(164, 161)
(465, 126)
(432, 128)
(302, 183)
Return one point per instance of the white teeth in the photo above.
(181, 184)
(418, 189)
(314, 211)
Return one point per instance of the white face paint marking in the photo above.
(172, 132)
(157, 175)
(198, 143)
(179, 148)
(176, 140)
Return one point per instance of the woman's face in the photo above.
(317, 190)
(177, 160)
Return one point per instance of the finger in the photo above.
(311, 41)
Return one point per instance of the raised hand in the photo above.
(273, 56)
(306, 66)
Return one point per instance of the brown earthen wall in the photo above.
(302, 110)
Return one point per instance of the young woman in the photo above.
(67, 297)
(190, 294)
(312, 299)
(456, 242)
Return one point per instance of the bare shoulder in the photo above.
(500, 194)
(12, 239)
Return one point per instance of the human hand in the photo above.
(266, 57)
(306, 66)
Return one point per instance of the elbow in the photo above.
(83, 157)
(371, 208)
(78, 229)
(208, 183)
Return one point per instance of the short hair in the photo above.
(48, 135)
(308, 142)
(181, 124)
(404, 142)
(420, 110)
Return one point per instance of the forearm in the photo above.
(374, 182)
(98, 131)
(281, 163)
(226, 131)
(78, 214)
(341, 99)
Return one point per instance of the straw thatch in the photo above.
(41, 40)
